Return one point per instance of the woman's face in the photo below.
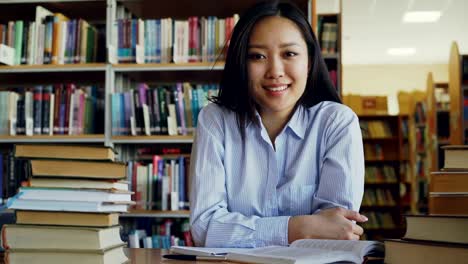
(277, 65)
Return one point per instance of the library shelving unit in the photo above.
(438, 103)
(112, 77)
(458, 88)
(385, 139)
(431, 123)
(329, 36)
(420, 157)
(442, 128)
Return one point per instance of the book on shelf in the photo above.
(162, 110)
(164, 233)
(166, 40)
(72, 256)
(60, 237)
(449, 228)
(455, 157)
(78, 169)
(52, 38)
(300, 251)
(66, 109)
(67, 218)
(424, 252)
(64, 152)
(63, 194)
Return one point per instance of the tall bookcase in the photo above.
(458, 88)
(438, 120)
(112, 77)
(329, 36)
(387, 186)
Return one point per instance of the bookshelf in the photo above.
(438, 120)
(420, 150)
(385, 139)
(432, 135)
(458, 89)
(329, 36)
(112, 77)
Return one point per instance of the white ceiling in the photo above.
(370, 27)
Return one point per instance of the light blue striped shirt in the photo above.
(243, 192)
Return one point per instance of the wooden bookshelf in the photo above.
(117, 77)
(333, 58)
(458, 83)
(420, 159)
(383, 174)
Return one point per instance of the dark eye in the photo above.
(256, 56)
(290, 54)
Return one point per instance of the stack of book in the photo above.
(68, 211)
(441, 236)
(430, 239)
(449, 187)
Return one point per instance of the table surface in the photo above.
(154, 256)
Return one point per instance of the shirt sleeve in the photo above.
(341, 180)
(212, 224)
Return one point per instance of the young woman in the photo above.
(277, 157)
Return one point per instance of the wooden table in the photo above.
(154, 256)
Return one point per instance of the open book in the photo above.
(299, 252)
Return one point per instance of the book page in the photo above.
(360, 248)
(293, 255)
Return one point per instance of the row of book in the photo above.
(52, 38)
(163, 110)
(378, 197)
(380, 174)
(375, 129)
(157, 233)
(161, 184)
(71, 200)
(51, 109)
(421, 139)
(196, 39)
(420, 113)
(328, 36)
(373, 152)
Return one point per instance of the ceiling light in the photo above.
(401, 51)
(421, 16)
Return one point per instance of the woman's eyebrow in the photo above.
(259, 46)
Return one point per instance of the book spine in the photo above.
(38, 110)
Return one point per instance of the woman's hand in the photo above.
(333, 223)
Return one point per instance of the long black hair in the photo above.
(234, 87)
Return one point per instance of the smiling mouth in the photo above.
(277, 88)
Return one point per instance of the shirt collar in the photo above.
(297, 123)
